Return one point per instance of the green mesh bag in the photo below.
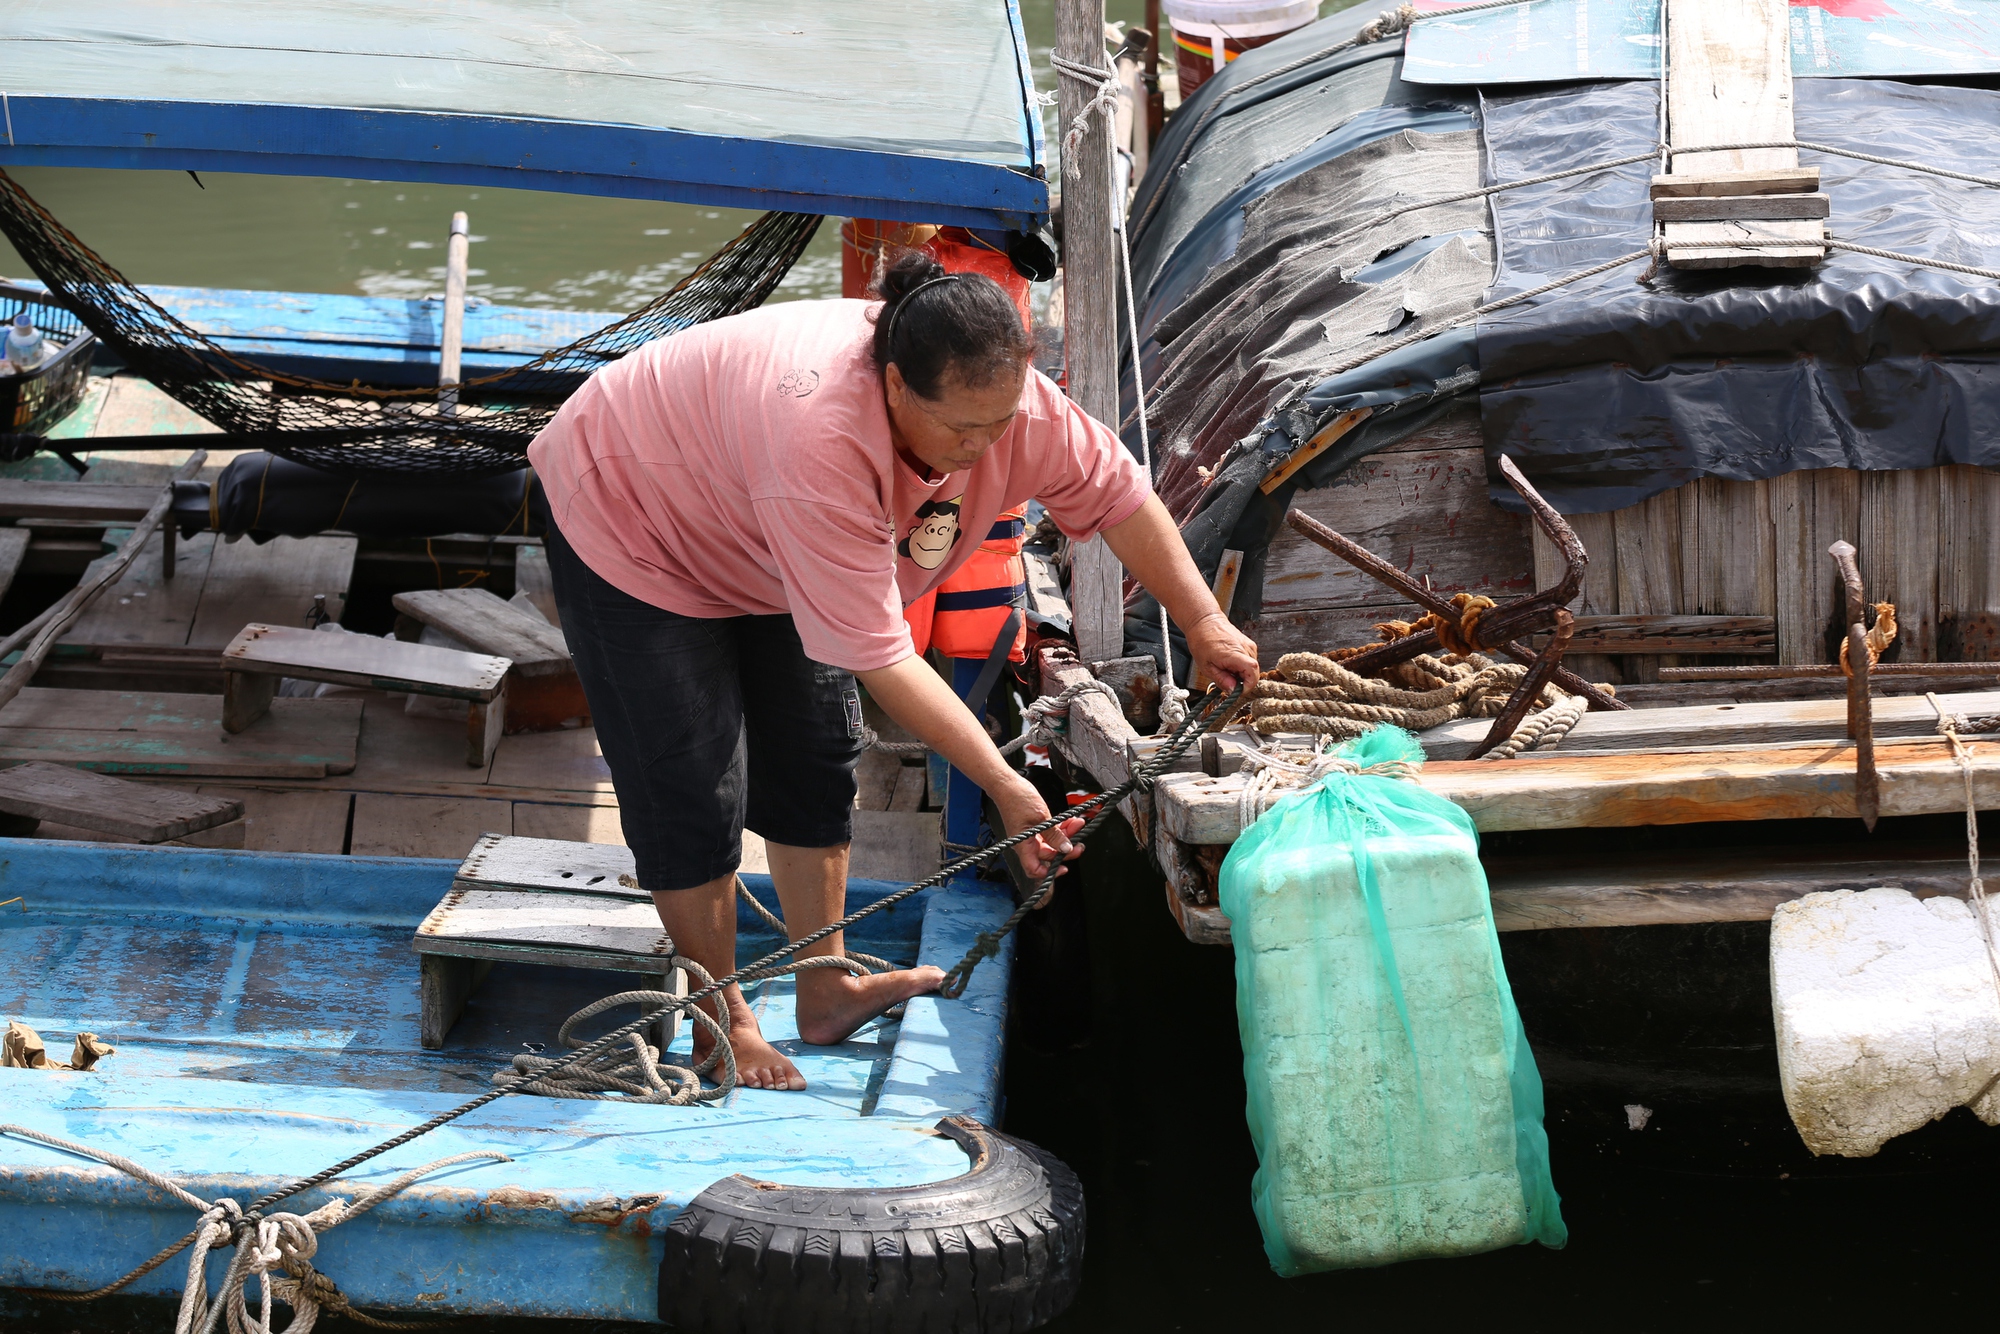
(1394, 1102)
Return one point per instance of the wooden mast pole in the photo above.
(1090, 311)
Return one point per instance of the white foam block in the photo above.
(1887, 1015)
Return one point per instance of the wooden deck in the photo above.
(347, 773)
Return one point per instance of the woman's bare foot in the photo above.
(759, 1065)
(832, 1004)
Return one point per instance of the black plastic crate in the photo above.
(33, 402)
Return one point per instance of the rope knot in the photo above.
(1461, 637)
(1389, 23)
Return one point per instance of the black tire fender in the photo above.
(999, 1248)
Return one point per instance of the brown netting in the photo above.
(356, 430)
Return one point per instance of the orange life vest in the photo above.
(962, 616)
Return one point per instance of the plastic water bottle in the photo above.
(26, 348)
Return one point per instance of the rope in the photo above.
(872, 740)
(1039, 717)
(286, 1242)
(1273, 775)
(1876, 641)
(1542, 731)
(1106, 100)
(1949, 727)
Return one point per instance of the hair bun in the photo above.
(907, 272)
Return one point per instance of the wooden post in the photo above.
(456, 258)
(1090, 310)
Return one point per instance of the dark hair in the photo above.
(968, 326)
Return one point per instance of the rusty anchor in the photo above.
(1495, 631)
(1860, 714)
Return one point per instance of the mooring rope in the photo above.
(1950, 726)
(277, 1250)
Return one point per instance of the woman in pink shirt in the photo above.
(741, 512)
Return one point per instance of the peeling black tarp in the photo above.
(1608, 392)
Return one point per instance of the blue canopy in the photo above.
(915, 112)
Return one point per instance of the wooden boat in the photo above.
(266, 1011)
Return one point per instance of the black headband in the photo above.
(889, 339)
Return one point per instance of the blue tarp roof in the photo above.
(916, 112)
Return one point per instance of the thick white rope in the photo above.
(1039, 717)
(276, 1249)
(1950, 726)
(1271, 774)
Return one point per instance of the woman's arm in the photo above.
(1150, 547)
(917, 697)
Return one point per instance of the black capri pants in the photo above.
(708, 725)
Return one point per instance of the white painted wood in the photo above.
(528, 920)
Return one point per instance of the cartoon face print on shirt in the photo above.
(934, 534)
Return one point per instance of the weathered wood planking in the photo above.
(1723, 725)
(1810, 511)
(13, 550)
(1968, 571)
(1755, 636)
(1425, 512)
(291, 821)
(273, 584)
(1652, 788)
(102, 502)
(1899, 554)
(144, 606)
(499, 924)
(363, 660)
(146, 812)
(1543, 894)
(488, 624)
(136, 733)
(1729, 81)
(552, 866)
(406, 826)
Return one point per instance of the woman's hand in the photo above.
(1022, 807)
(1222, 653)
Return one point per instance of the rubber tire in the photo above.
(997, 1249)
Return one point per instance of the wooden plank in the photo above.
(531, 576)
(144, 606)
(444, 985)
(894, 845)
(570, 824)
(136, 406)
(1768, 181)
(178, 734)
(1899, 554)
(145, 812)
(1321, 441)
(619, 932)
(1700, 725)
(1968, 582)
(389, 826)
(1650, 890)
(1729, 80)
(547, 865)
(1227, 571)
(229, 834)
(1810, 510)
(1555, 893)
(1320, 629)
(1425, 512)
(98, 501)
(363, 660)
(290, 821)
(553, 761)
(1097, 732)
(1710, 208)
(1749, 635)
(272, 584)
(1653, 788)
(488, 624)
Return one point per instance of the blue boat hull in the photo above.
(265, 1011)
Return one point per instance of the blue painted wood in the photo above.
(265, 1011)
(571, 157)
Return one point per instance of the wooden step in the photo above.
(543, 692)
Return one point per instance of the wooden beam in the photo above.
(1728, 208)
(1750, 635)
(1648, 889)
(1772, 181)
(1322, 440)
(1090, 310)
(1650, 788)
(1711, 725)
(1729, 80)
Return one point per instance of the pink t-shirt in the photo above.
(745, 467)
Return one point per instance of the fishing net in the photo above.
(355, 430)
